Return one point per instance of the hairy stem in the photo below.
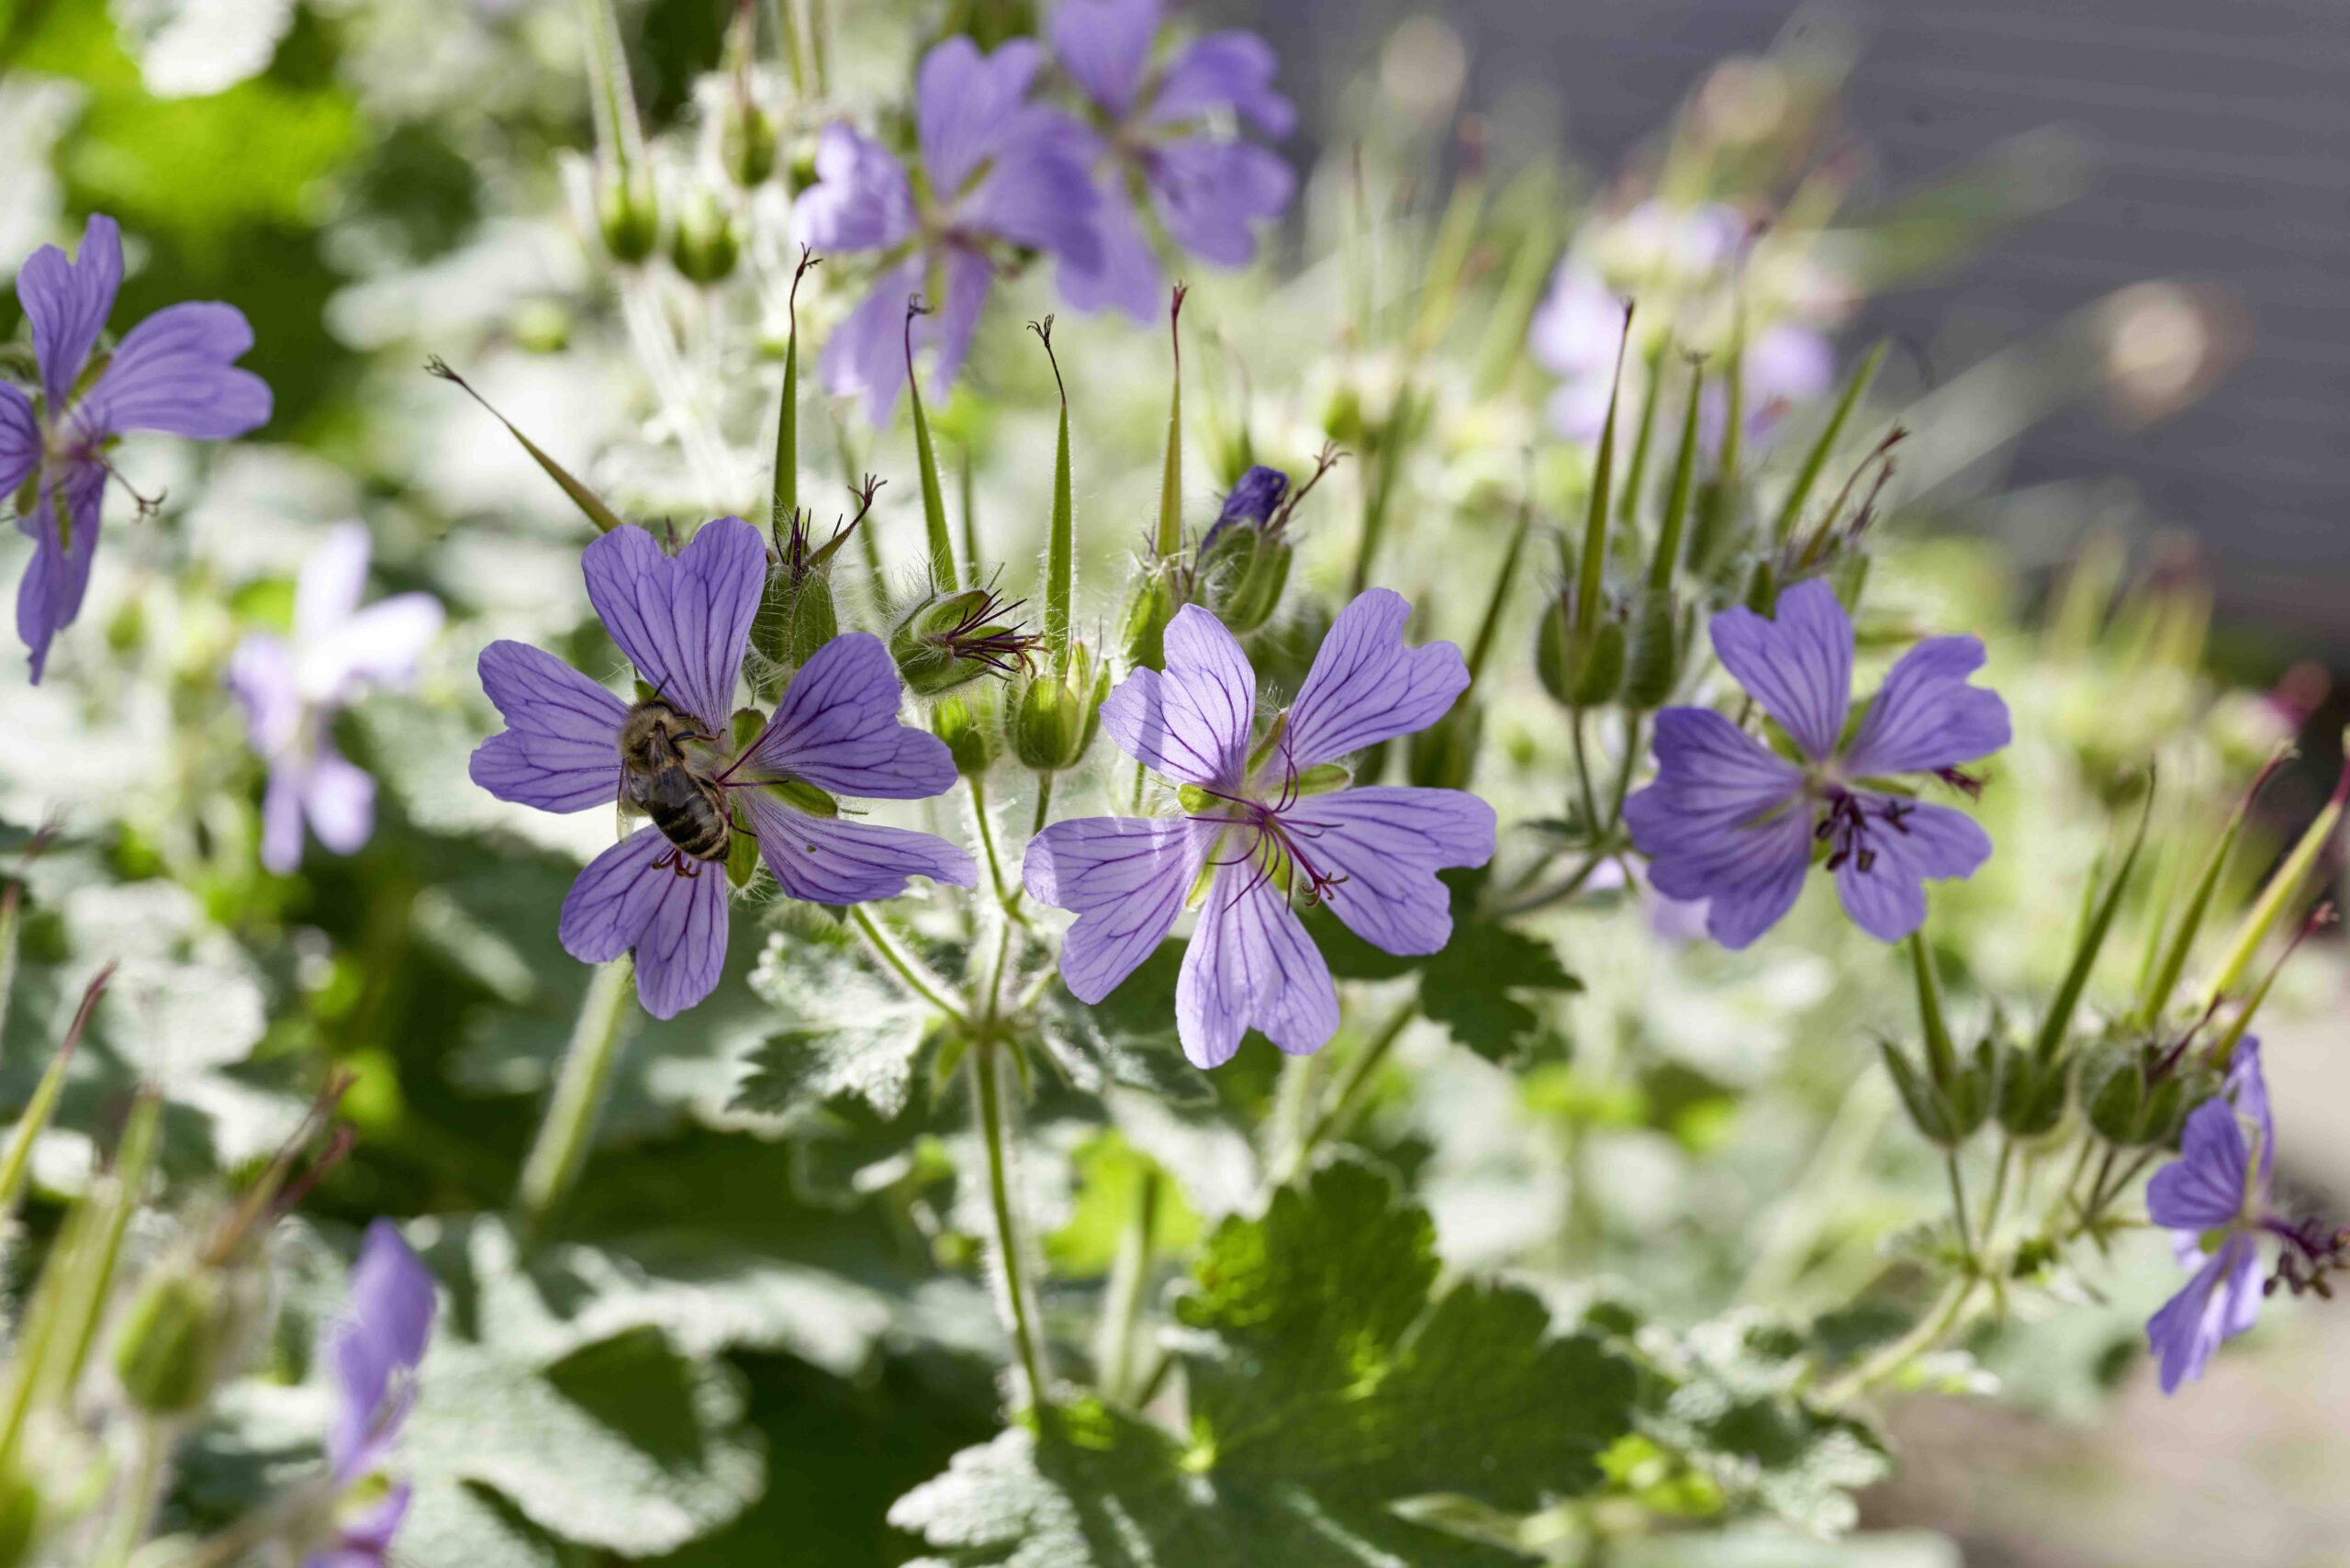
(1346, 1099)
(920, 980)
(560, 1151)
(988, 1110)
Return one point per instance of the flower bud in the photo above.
(1581, 669)
(1946, 1113)
(1058, 715)
(1444, 755)
(1722, 525)
(1152, 605)
(800, 173)
(967, 722)
(951, 640)
(628, 211)
(705, 247)
(746, 142)
(1653, 662)
(181, 1337)
(2031, 1094)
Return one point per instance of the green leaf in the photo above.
(1329, 1382)
(854, 1029)
(1128, 1039)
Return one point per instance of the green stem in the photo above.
(142, 1491)
(566, 1136)
(1528, 902)
(1346, 1099)
(1129, 1278)
(987, 838)
(1624, 765)
(1583, 773)
(1036, 825)
(920, 980)
(988, 1109)
(16, 1165)
(1999, 1195)
(1928, 1333)
(1958, 1210)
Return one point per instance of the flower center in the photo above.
(1852, 821)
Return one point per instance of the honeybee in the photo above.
(658, 778)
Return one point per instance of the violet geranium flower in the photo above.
(175, 372)
(1169, 135)
(1731, 820)
(996, 171)
(1261, 819)
(683, 622)
(290, 692)
(374, 1351)
(2217, 1200)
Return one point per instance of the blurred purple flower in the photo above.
(1576, 335)
(1371, 854)
(1783, 365)
(1160, 135)
(174, 373)
(1731, 820)
(2214, 1199)
(374, 1351)
(995, 167)
(291, 691)
(683, 622)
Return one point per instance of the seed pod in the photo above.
(2113, 1091)
(2031, 1094)
(628, 211)
(1152, 604)
(1058, 714)
(967, 722)
(1655, 654)
(747, 142)
(705, 247)
(177, 1340)
(948, 642)
(1241, 577)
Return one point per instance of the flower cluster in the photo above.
(1001, 171)
(372, 1351)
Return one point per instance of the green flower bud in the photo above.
(2113, 1091)
(2031, 1094)
(1580, 668)
(1153, 604)
(746, 143)
(968, 722)
(705, 246)
(1723, 522)
(1654, 662)
(1444, 755)
(948, 642)
(1058, 715)
(628, 211)
(179, 1339)
(1241, 575)
(801, 172)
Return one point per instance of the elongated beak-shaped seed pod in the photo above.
(591, 505)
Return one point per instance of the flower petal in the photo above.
(1104, 45)
(1126, 879)
(1799, 666)
(2205, 1187)
(1039, 191)
(1389, 841)
(683, 622)
(332, 580)
(968, 103)
(339, 799)
(69, 302)
(1192, 723)
(1123, 274)
(1710, 774)
(627, 901)
(1889, 899)
(838, 728)
(1367, 687)
(1580, 327)
(2247, 1085)
(19, 439)
(867, 352)
(1925, 717)
(560, 750)
(1227, 69)
(175, 372)
(378, 646)
(261, 678)
(834, 860)
(862, 200)
(2220, 1302)
(1250, 963)
(385, 1325)
(50, 595)
(1211, 192)
(281, 819)
(1750, 871)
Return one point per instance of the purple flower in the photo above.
(996, 169)
(1731, 820)
(374, 1351)
(1576, 335)
(175, 372)
(1252, 503)
(683, 623)
(290, 692)
(1160, 135)
(1259, 820)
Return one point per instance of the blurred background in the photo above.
(2205, 144)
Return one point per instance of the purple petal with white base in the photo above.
(1227, 69)
(2218, 1303)
(560, 750)
(838, 728)
(1250, 964)
(1126, 879)
(1192, 723)
(1365, 686)
(682, 621)
(2206, 1187)
(630, 899)
(1884, 889)
(1798, 666)
(862, 200)
(175, 372)
(1389, 841)
(379, 1342)
(832, 861)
